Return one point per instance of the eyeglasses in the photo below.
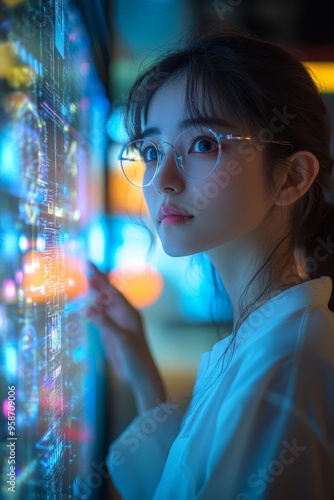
(197, 152)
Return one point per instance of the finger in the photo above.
(94, 269)
(111, 344)
(107, 295)
(95, 274)
(97, 314)
(98, 279)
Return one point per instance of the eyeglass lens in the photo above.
(196, 153)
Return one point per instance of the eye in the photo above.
(203, 145)
(148, 153)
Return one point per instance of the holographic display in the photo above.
(52, 110)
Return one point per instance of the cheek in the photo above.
(251, 191)
(151, 200)
(241, 195)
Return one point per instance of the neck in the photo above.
(249, 282)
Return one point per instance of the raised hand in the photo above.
(124, 341)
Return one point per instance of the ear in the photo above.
(302, 169)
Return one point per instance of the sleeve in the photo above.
(136, 459)
(276, 445)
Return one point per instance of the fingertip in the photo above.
(91, 264)
(91, 269)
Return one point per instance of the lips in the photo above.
(169, 210)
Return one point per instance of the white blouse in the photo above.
(261, 429)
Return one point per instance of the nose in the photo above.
(168, 176)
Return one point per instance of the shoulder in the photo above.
(292, 354)
(279, 330)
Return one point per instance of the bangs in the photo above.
(214, 89)
(212, 95)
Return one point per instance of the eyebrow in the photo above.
(184, 124)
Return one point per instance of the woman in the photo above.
(230, 143)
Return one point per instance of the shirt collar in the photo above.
(313, 292)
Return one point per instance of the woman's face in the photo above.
(196, 215)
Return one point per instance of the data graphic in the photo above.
(52, 112)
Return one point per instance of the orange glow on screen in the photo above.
(43, 272)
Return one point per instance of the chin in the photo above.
(177, 253)
(181, 251)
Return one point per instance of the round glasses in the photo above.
(197, 152)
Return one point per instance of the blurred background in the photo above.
(66, 67)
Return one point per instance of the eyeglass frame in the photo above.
(161, 155)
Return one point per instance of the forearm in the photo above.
(150, 391)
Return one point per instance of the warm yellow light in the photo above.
(76, 282)
(123, 197)
(7, 57)
(12, 69)
(12, 3)
(323, 74)
(41, 271)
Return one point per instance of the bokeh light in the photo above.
(141, 287)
